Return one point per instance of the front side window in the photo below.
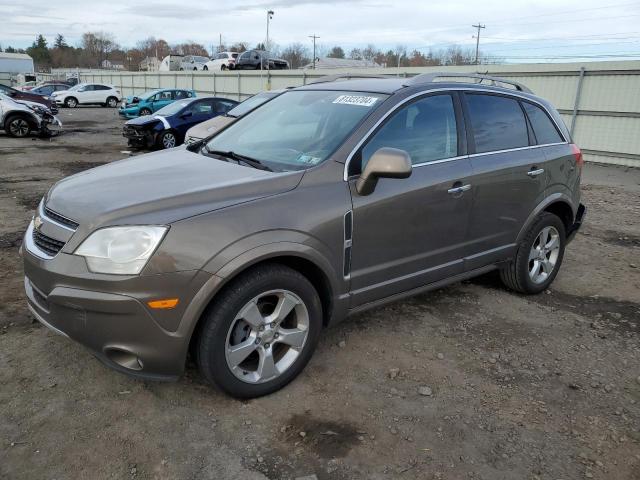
(426, 129)
(298, 129)
(200, 107)
(173, 108)
(543, 127)
(498, 123)
(166, 95)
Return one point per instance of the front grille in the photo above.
(49, 245)
(60, 219)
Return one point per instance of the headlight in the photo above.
(120, 250)
(38, 110)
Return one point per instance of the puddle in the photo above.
(622, 239)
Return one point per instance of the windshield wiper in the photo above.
(252, 162)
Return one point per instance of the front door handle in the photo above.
(459, 189)
(535, 173)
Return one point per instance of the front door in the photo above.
(162, 99)
(412, 232)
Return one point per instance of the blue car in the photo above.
(167, 128)
(152, 101)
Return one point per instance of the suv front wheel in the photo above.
(538, 257)
(260, 331)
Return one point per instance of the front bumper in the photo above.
(139, 138)
(51, 124)
(109, 314)
(580, 215)
(129, 112)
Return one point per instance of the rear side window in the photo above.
(426, 129)
(498, 123)
(543, 127)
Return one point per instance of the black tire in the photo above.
(223, 67)
(71, 102)
(212, 336)
(205, 68)
(112, 102)
(515, 275)
(163, 141)
(18, 126)
(145, 111)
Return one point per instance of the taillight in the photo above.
(578, 154)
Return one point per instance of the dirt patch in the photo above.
(11, 239)
(513, 387)
(622, 239)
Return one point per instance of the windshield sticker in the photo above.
(356, 100)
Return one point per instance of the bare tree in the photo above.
(297, 55)
(97, 46)
(336, 52)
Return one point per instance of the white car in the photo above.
(88, 94)
(222, 61)
(193, 62)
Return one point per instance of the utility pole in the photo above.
(314, 37)
(220, 44)
(478, 26)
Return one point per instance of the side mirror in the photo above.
(186, 114)
(384, 163)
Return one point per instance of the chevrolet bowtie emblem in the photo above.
(37, 222)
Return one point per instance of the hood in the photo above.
(160, 188)
(144, 121)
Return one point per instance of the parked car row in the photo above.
(249, 60)
(168, 127)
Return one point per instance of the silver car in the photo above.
(20, 118)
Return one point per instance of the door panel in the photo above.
(508, 182)
(409, 232)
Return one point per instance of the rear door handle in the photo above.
(460, 189)
(535, 173)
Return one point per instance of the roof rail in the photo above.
(479, 77)
(344, 76)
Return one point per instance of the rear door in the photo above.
(509, 177)
(412, 232)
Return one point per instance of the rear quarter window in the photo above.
(497, 122)
(543, 128)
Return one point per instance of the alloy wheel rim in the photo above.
(71, 102)
(19, 127)
(112, 102)
(267, 336)
(544, 254)
(169, 141)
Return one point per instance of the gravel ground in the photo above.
(468, 382)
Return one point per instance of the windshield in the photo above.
(249, 104)
(200, 59)
(173, 108)
(77, 87)
(149, 94)
(298, 129)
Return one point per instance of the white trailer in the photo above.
(16, 63)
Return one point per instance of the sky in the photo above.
(517, 31)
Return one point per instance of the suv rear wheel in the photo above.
(260, 332)
(538, 257)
